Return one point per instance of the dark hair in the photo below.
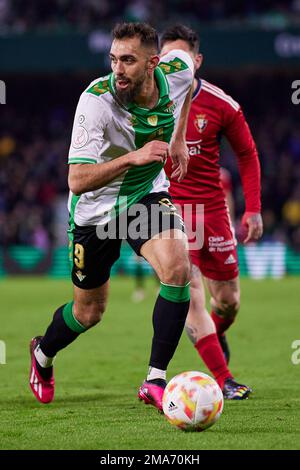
(148, 35)
(179, 31)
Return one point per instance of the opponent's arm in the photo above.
(241, 140)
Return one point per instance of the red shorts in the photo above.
(216, 255)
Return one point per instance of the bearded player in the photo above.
(214, 114)
(124, 127)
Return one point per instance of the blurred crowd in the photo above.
(34, 142)
(33, 173)
(83, 15)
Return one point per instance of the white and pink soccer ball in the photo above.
(192, 401)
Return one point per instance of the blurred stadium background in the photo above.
(49, 52)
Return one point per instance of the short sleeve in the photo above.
(177, 62)
(178, 69)
(88, 129)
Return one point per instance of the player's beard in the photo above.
(129, 96)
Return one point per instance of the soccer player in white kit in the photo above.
(125, 126)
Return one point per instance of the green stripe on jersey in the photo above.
(82, 160)
(99, 88)
(148, 124)
(175, 65)
(74, 202)
(136, 184)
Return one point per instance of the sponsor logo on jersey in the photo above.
(171, 106)
(194, 150)
(200, 122)
(194, 147)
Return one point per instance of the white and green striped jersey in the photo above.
(104, 130)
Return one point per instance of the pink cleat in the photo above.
(43, 389)
(151, 393)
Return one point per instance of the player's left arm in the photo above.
(178, 148)
(182, 78)
(239, 135)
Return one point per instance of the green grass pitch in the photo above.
(98, 375)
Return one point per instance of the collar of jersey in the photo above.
(163, 88)
(198, 88)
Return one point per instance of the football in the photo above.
(192, 401)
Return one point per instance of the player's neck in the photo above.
(149, 94)
(195, 84)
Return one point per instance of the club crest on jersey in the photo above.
(200, 122)
(152, 120)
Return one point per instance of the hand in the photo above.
(254, 224)
(154, 151)
(180, 158)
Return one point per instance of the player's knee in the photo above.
(176, 272)
(90, 314)
(230, 303)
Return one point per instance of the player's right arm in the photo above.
(87, 177)
(85, 172)
(239, 135)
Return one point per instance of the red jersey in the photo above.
(214, 114)
(226, 181)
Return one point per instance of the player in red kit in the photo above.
(214, 114)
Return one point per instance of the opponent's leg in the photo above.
(225, 302)
(169, 259)
(202, 332)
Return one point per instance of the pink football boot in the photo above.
(151, 393)
(43, 389)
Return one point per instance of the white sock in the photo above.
(44, 361)
(154, 373)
